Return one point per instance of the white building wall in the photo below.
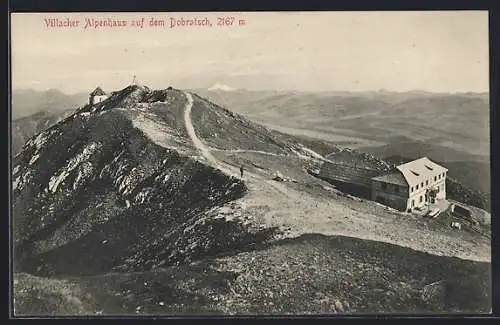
(416, 194)
(441, 195)
(414, 200)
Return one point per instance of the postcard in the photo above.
(250, 163)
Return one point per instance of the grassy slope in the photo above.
(459, 121)
(452, 129)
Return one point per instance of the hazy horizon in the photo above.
(260, 90)
(439, 52)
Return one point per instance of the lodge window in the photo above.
(439, 176)
(435, 178)
(422, 184)
(417, 186)
(420, 198)
(411, 189)
(427, 182)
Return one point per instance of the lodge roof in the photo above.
(412, 173)
(98, 92)
(419, 170)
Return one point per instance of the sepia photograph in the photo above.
(250, 163)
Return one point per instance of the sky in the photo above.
(312, 51)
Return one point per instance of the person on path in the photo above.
(241, 171)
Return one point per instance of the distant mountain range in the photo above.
(458, 121)
(452, 129)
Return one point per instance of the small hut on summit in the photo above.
(97, 96)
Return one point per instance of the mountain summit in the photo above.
(124, 178)
(143, 191)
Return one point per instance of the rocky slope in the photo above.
(131, 206)
(96, 185)
(28, 126)
(26, 102)
(312, 274)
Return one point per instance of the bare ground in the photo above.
(301, 212)
(373, 260)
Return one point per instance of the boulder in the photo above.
(278, 177)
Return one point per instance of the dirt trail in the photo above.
(303, 213)
(247, 150)
(196, 141)
(272, 203)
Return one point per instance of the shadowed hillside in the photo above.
(109, 190)
(312, 274)
(26, 127)
(136, 205)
